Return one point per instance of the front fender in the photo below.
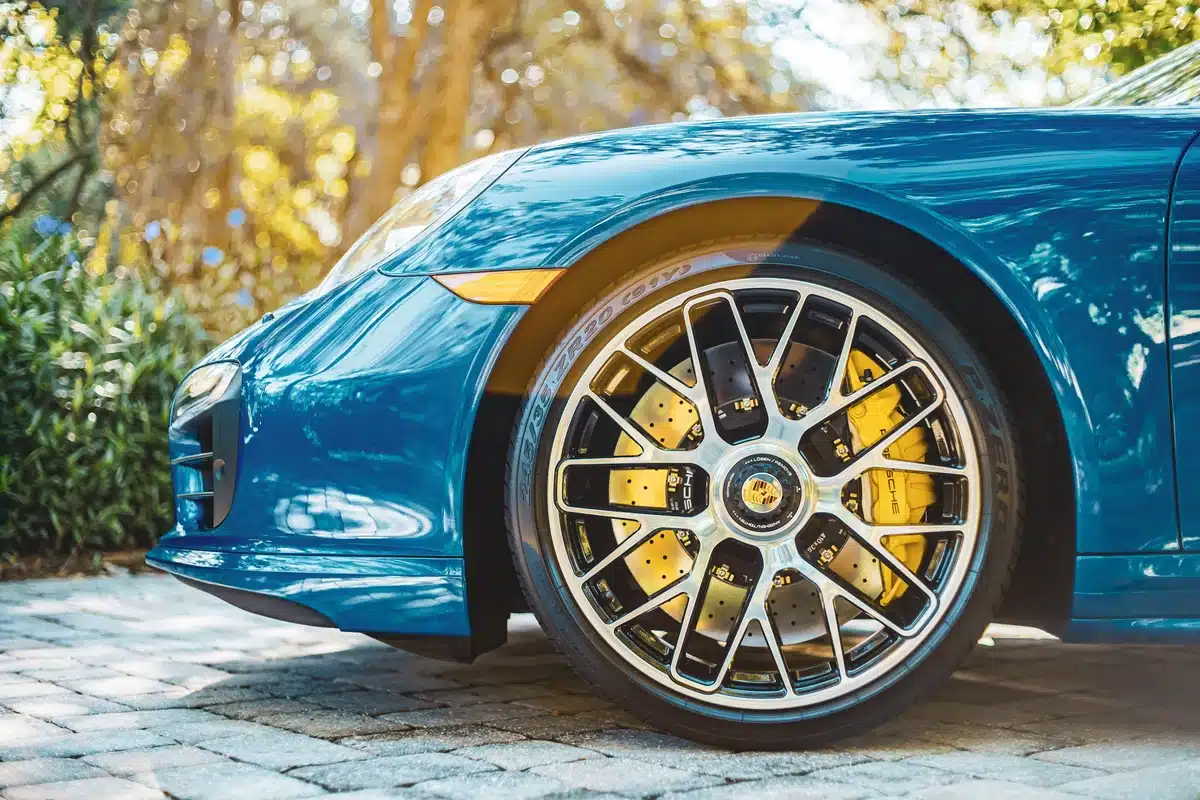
(1061, 214)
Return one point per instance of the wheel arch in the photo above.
(963, 285)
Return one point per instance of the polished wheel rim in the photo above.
(764, 493)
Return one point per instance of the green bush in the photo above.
(88, 366)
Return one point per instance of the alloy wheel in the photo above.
(764, 493)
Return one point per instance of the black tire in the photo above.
(953, 636)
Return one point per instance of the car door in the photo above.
(1183, 330)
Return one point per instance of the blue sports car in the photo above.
(765, 419)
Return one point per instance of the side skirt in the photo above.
(1160, 630)
(1148, 597)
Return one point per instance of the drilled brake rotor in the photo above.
(668, 418)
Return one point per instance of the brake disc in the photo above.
(664, 559)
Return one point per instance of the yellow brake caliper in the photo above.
(895, 497)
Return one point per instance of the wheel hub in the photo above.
(762, 493)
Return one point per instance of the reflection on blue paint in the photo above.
(358, 404)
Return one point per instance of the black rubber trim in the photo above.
(464, 649)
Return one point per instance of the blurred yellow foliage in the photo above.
(231, 149)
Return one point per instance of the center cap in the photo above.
(762, 493)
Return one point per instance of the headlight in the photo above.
(419, 212)
(202, 389)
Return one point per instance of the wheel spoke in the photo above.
(785, 340)
(631, 542)
(618, 462)
(919, 467)
(779, 426)
(772, 637)
(756, 372)
(654, 601)
(828, 590)
(843, 361)
(694, 394)
(648, 447)
(755, 601)
(837, 402)
(875, 456)
(835, 633)
(646, 517)
(689, 585)
(735, 641)
(862, 605)
(872, 536)
(702, 383)
(694, 583)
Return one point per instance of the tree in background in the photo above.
(466, 77)
(956, 52)
(230, 149)
(230, 134)
(244, 144)
(54, 67)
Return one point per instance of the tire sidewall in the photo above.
(530, 464)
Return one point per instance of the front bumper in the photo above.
(353, 423)
(380, 595)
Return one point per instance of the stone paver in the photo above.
(328, 724)
(674, 752)
(1179, 781)
(888, 777)
(1024, 771)
(371, 703)
(460, 715)
(991, 790)
(141, 687)
(1120, 756)
(131, 762)
(281, 750)
(125, 720)
(430, 740)
(623, 775)
(196, 732)
(85, 789)
(791, 788)
(16, 728)
(380, 773)
(226, 779)
(46, 770)
(59, 708)
(79, 744)
(253, 709)
(523, 755)
(488, 785)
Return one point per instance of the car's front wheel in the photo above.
(763, 496)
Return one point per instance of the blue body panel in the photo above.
(351, 450)
(349, 490)
(1184, 293)
(1137, 586)
(1153, 630)
(367, 594)
(348, 446)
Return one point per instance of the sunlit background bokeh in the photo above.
(229, 151)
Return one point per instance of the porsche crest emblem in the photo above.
(762, 493)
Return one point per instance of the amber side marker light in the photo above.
(513, 286)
